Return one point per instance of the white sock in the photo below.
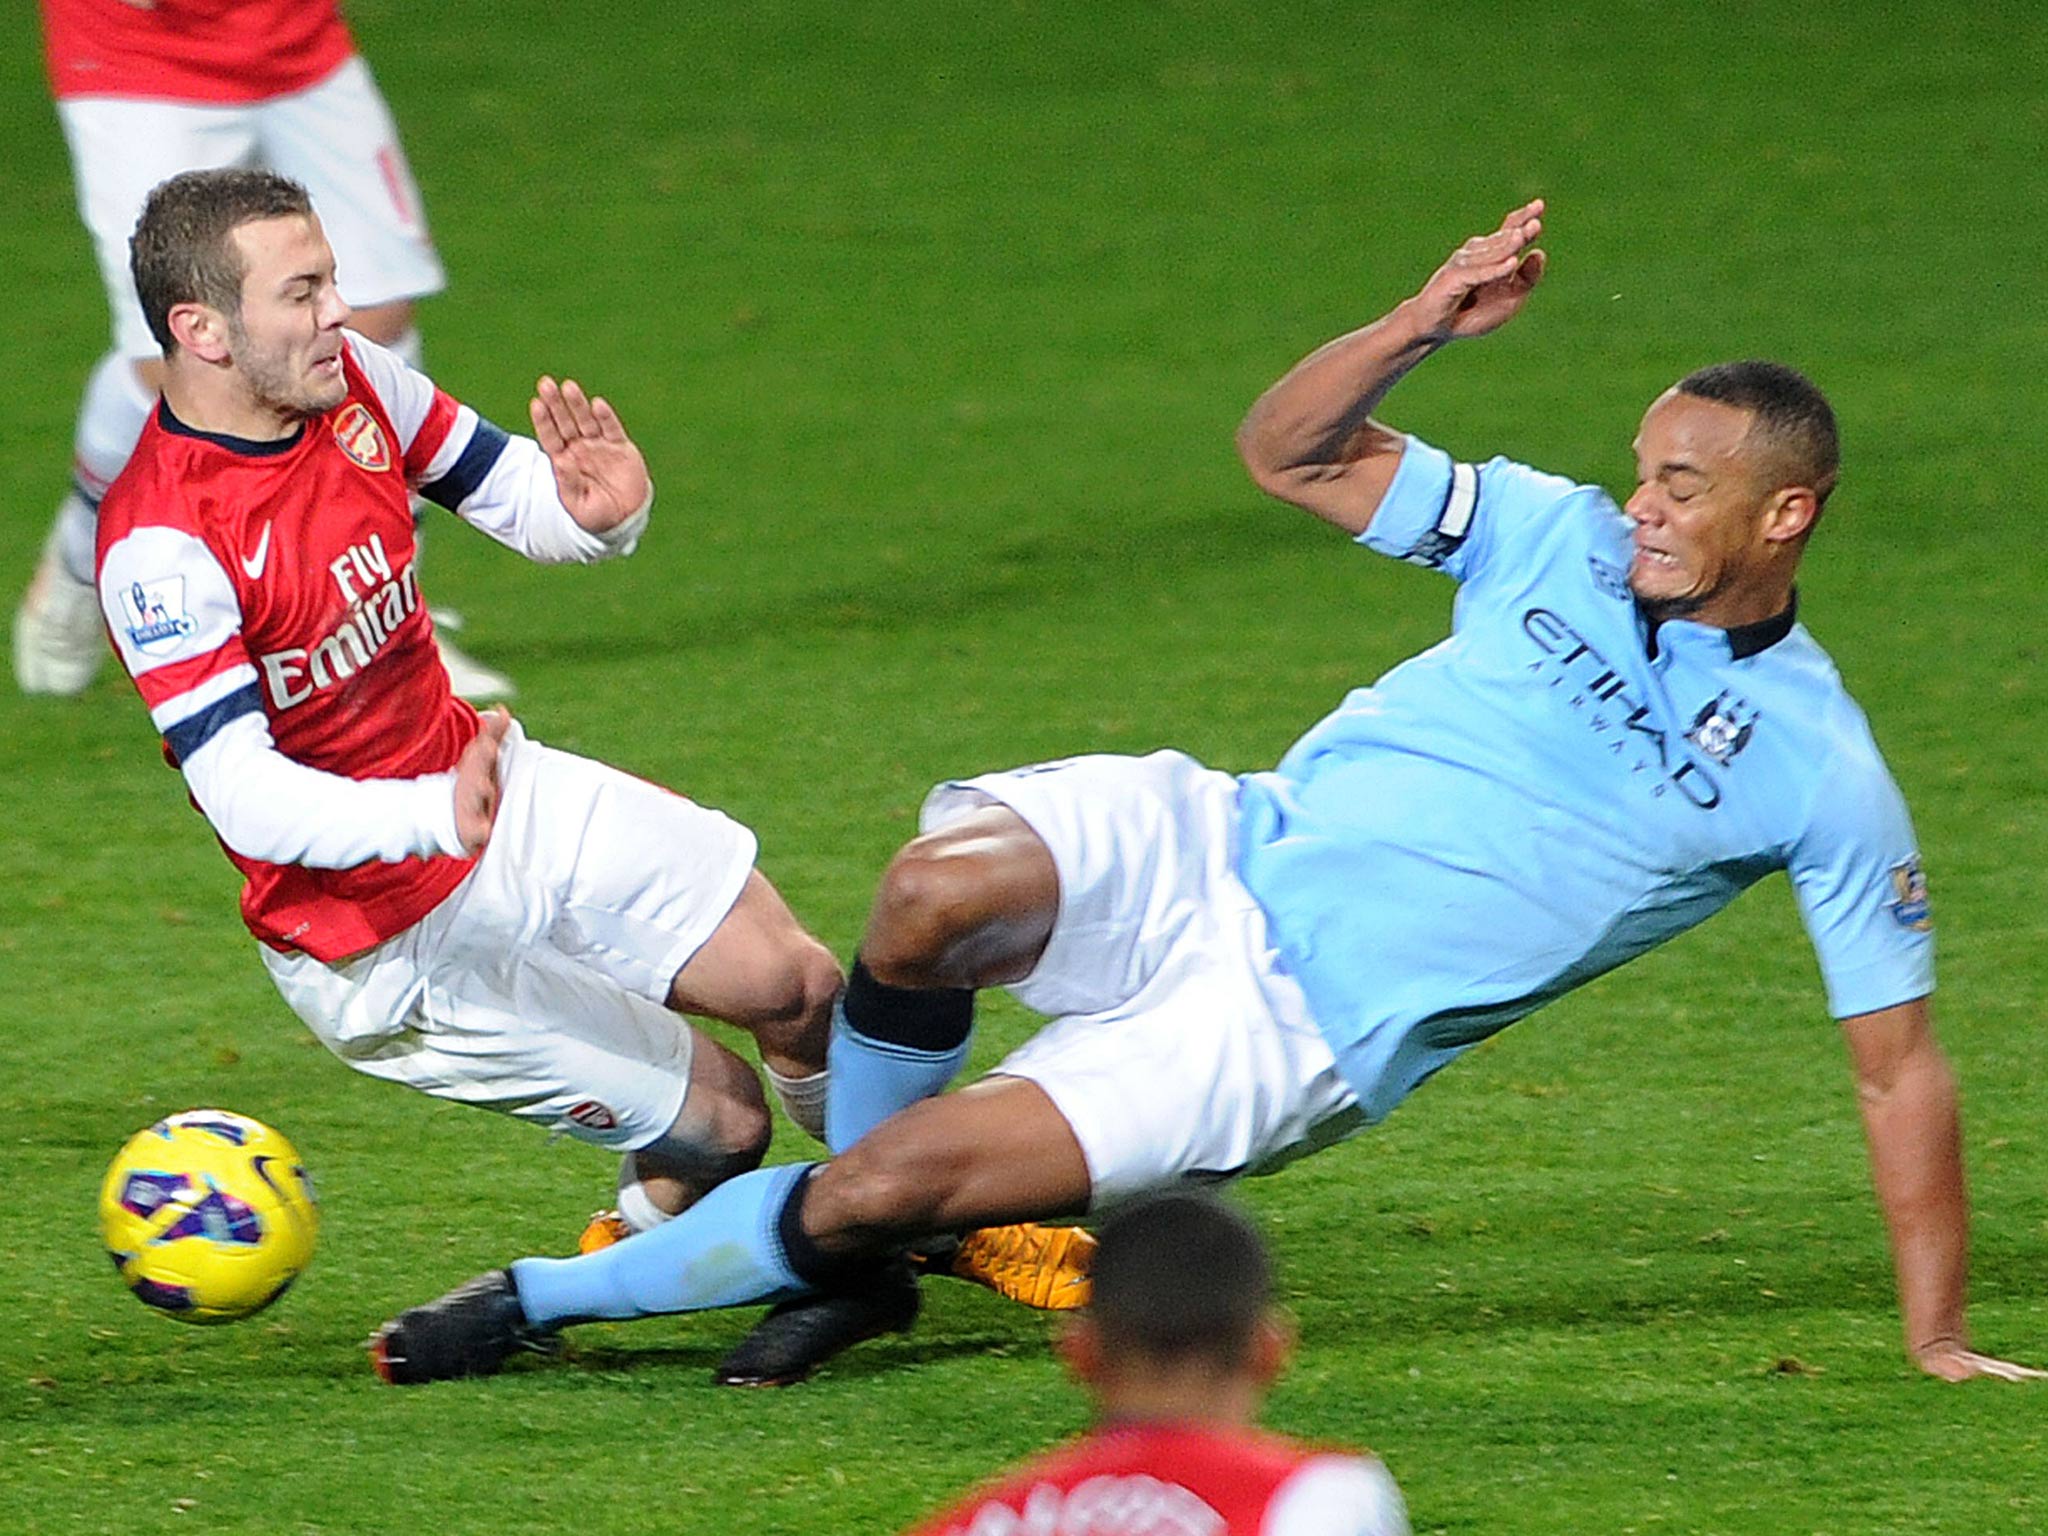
(110, 418)
(802, 1099)
(636, 1206)
(73, 535)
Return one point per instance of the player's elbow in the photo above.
(1258, 449)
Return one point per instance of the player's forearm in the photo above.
(266, 806)
(1914, 1132)
(1319, 414)
(518, 504)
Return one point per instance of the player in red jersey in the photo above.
(445, 902)
(1177, 1348)
(144, 91)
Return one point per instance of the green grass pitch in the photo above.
(935, 321)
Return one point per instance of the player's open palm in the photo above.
(476, 781)
(1487, 279)
(599, 471)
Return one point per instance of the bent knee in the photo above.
(961, 908)
(800, 986)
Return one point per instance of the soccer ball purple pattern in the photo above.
(208, 1216)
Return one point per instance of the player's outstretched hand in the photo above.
(1487, 278)
(1952, 1361)
(476, 781)
(598, 469)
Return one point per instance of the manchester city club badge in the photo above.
(1723, 728)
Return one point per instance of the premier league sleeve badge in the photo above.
(155, 614)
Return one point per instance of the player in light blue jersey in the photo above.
(1626, 727)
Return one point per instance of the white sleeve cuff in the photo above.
(518, 504)
(266, 806)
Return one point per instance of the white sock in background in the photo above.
(110, 418)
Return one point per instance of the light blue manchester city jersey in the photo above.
(1555, 789)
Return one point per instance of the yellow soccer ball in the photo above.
(208, 1215)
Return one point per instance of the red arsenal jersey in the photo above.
(191, 50)
(278, 577)
(1161, 1479)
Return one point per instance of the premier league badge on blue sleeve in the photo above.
(156, 615)
(1912, 908)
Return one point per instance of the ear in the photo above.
(201, 330)
(1272, 1347)
(1079, 1347)
(1790, 514)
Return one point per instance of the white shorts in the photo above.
(1180, 1049)
(538, 987)
(336, 138)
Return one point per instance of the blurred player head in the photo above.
(1181, 1323)
(235, 275)
(1733, 466)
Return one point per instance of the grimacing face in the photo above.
(286, 341)
(1696, 508)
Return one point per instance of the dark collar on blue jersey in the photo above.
(1744, 640)
(1748, 639)
(243, 445)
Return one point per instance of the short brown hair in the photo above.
(1793, 425)
(181, 252)
(1180, 1278)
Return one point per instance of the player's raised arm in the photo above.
(577, 491)
(1914, 1131)
(1311, 439)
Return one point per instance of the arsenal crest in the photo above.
(361, 438)
(593, 1115)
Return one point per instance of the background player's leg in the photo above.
(967, 906)
(391, 325)
(120, 149)
(339, 140)
(57, 639)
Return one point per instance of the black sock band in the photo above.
(924, 1019)
(813, 1265)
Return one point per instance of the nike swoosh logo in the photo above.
(254, 564)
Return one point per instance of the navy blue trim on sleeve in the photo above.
(468, 470)
(195, 731)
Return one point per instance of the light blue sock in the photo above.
(724, 1251)
(872, 1079)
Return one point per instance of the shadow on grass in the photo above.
(877, 1357)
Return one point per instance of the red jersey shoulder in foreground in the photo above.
(1183, 1480)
